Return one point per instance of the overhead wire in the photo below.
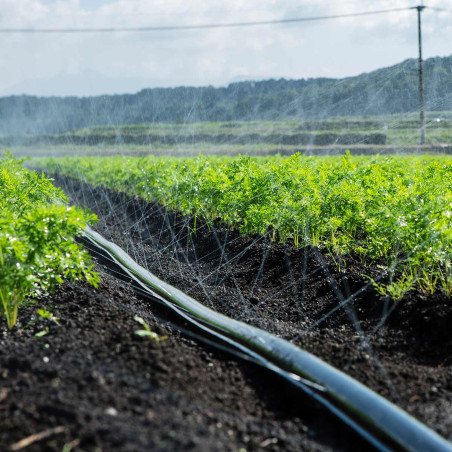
(443, 10)
(198, 26)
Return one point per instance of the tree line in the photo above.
(384, 91)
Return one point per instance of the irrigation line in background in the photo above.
(199, 26)
(380, 422)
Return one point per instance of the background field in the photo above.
(362, 135)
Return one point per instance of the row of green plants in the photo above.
(399, 130)
(392, 211)
(38, 250)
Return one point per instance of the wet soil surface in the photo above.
(112, 390)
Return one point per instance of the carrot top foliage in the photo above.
(37, 247)
(396, 209)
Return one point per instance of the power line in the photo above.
(196, 27)
(445, 10)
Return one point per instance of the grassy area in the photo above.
(393, 210)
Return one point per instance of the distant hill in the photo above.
(384, 91)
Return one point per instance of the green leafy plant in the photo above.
(42, 333)
(394, 209)
(37, 246)
(396, 289)
(427, 281)
(445, 278)
(146, 332)
(44, 314)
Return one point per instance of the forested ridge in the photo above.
(384, 91)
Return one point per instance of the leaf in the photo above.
(42, 333)
(151, 335)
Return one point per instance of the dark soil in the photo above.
(112, 390)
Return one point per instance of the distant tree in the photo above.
(384, 91)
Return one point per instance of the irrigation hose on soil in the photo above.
(382, 423)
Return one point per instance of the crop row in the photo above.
(396, 211)
(37, 246)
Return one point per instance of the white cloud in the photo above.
(196, 57)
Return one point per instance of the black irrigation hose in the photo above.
(383, 424)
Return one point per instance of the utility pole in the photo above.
(421, 8)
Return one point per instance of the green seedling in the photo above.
(44, 314)
(427, 282)
(445, 279)
(147, 331)
(396, 290)
(42, 333)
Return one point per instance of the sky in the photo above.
(95, 64)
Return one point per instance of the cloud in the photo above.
(196, 57)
